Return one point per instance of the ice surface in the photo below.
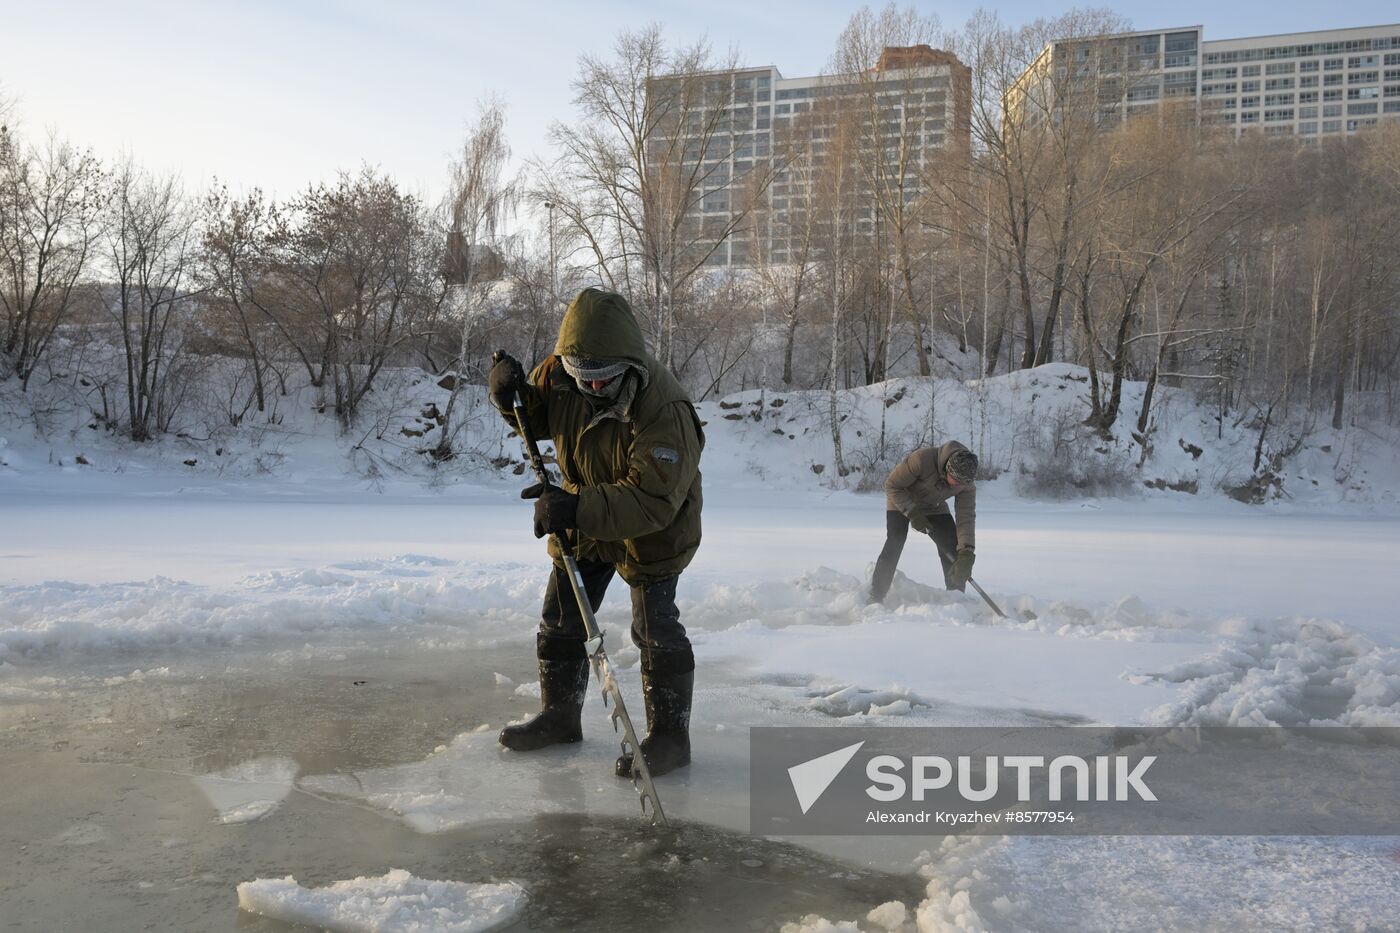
(156, 639)
(394, 903)
(249, 790)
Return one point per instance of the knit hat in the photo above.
(587, 370)
(962, 466)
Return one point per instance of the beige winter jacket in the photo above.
(919, 486)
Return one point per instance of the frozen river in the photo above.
(204, 686)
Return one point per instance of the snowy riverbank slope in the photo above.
(1026, 427)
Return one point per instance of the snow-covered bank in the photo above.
(1026, 426)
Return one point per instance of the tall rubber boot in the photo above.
(563, 686)
(668, 684)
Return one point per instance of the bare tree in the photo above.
(50, 206)
(234, 252)
(1042, 95)
(838, 197)
(897, 104)
(478, 201)
(785, 253)
(1135, 243)
(345, 280)
(150, 254)
(648, 178)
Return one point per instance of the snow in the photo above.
(1157, 608)
(888, 916)
(394, 903)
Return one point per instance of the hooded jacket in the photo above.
(919, 486)
(636, 471)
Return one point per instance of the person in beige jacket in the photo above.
(917, 493)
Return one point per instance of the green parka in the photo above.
(638, 476)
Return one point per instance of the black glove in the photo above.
(961, 570)
(556, 511)
(505, 382)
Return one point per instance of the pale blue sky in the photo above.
(280, 94)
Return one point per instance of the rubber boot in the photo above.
(667, 686)
(563, 686)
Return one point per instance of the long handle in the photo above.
(980, 592)
(566, 549)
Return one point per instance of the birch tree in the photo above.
(478, 201)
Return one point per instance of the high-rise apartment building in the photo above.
(923, 100)
(1308, 84)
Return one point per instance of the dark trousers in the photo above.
(942, 529)
(656, 622)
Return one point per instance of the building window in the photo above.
(1250, 117)
(1310, 65)
(1354, 109)
(1331, 126)
(1392, 106)
(1278, 100)
(1276, 116)
(1278, 84)
(1392, 74)
(1279, 68)
(1247, 102)
(1363, 61)
(1278, 131)
(1307, 97)
(1250, 71)
(1363, 77)
(1332, 95)
(1332, 110)
(1393, 91)
(1308, 81)
(1247, 86)
(1307, 129)
(1393, 58)
(1354, 125)
(1181, 42)
(1363, 93)
(1179, 84)
(1207, 89)
(1307, 113)
(1332, 64)
(1145, 45)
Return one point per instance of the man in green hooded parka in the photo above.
(627, 443)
